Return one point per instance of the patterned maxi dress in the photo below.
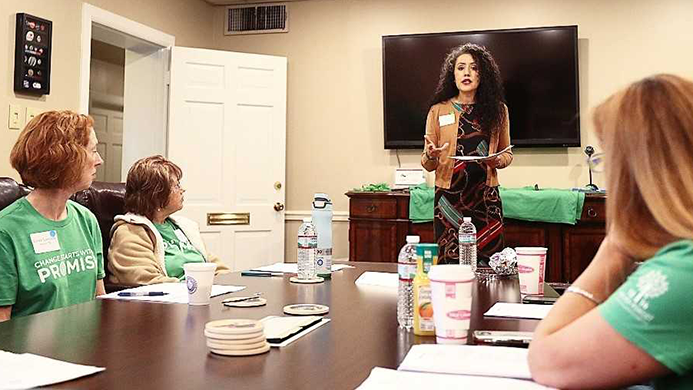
(468, 196)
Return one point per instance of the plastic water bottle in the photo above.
(406, 266)
(467, 237)
(307, 248)
(322, 219)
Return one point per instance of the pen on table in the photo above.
(142, 293)
(261, 273)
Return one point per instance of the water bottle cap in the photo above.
(413, 239)
(307, 220)
(467, 219)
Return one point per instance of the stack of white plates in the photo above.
(236, 337)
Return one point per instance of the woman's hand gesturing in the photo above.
(431, 151)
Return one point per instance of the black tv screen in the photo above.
(539, 68)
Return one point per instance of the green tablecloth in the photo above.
(544, 205)
(528, 204)
(421, 199)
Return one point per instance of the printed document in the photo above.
(480, 158)
(387, 379)
(518, 310)
(26, 370)
(176, 292)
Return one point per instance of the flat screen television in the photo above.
(539, 68)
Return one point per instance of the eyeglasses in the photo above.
(178, 188)
(597, 162)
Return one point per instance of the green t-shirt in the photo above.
(44, 264)
(177, 249)
(653, 309)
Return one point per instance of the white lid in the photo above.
(199, 266)
(234, 327)
(466, 219)
(308, 220)
(451, 272)
(303, 309)
(413, 239)
(531, 250)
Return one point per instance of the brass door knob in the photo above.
(278, 206)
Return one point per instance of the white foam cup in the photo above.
(531, 268)
(451, 294)
(199, 278)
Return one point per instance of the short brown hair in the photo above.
(51, 150)
(149, 184)
(647, 131)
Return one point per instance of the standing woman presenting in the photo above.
(467, 118)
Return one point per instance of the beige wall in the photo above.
(188, 20)
(335, 119)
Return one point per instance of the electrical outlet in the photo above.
(15, 117)
(31, 112)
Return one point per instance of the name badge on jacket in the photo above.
(445, 120)
(45, 241)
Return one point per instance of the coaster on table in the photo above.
(241, 338)
(226, 346)
(306, 309)
(247, 352)
(234, 327)
(253, 302)
(317, 279)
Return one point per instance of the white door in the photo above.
(145, 109)
(108, 126)
(145, 92)
(227, 131)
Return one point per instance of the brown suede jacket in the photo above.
(448, 133)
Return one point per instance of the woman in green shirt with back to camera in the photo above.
(50, 247)
(621, 323)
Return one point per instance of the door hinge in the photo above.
(167, 78)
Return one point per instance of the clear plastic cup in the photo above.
(199, 278)
(531, 269)
(451, 294)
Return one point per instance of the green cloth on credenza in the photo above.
(544, 205)
(421, 198)
(527, 204)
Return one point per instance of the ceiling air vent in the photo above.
(257, 19)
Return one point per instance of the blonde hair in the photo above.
(149, 185)
(647, 131)
(51, 150)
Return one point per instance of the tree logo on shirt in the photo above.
(650, 285)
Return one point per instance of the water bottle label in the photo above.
(467, 239)
(307, 242)
(407, 271)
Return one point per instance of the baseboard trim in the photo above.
(298, 215)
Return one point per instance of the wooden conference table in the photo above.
(162, 346)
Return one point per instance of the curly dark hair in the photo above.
(489, 96)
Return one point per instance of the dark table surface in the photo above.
(162, 346)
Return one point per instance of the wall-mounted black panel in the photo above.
(32, 55)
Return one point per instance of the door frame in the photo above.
(92, 14)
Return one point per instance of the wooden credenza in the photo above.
(379, 223)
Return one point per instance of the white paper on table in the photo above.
(26, 370)
(177, 292)
(506, 362)
(380, 279)
(480, 158)
(388, 379)
(276, 325)
(518, 310)
(292, 268)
